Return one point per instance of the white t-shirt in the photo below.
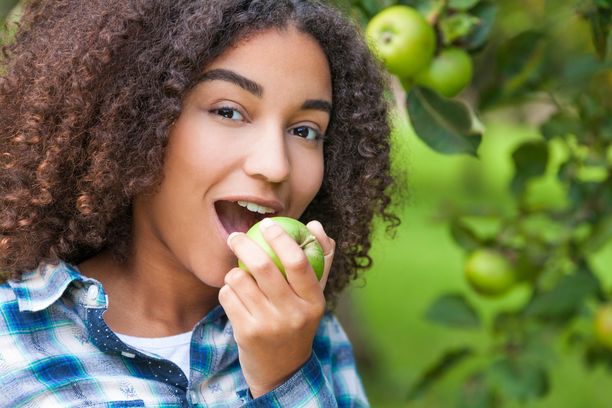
(174, 348)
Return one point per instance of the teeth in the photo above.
(255, 207)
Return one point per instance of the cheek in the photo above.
(192, 145)
(307, 178)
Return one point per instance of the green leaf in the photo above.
(485, 12)
(563, 300)
(580, 70)
(530, 160)
(520, 379)
(506, 322)
(600, 27)
(596, 355)
(456, 26)
(428, 8)
(477, 393)
(445, 125)
(560, 124)
(453, 310)
(464, 236)
(371, 7)
(462, 4)
(601, 235)
(516, 54)
(521, 59)
(446, 362)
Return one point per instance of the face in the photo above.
(248, 143)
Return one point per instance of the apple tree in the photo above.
(474, 67)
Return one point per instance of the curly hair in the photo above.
(89, 90)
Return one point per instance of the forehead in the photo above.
(279, 58)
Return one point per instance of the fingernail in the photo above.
(266, 223)
(316, 223)
(232, 236)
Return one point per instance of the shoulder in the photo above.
(8, 304)
(24, 303)
(7, 298)
(9, 312)
(6, 294)
(9, 309)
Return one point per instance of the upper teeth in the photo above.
(255, 207)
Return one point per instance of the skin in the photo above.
(228, 142)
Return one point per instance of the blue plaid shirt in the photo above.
(57, 351)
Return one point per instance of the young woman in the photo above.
(139, 141)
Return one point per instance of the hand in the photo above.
(274, 320)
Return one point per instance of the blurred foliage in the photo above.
(10, 11)
(5, 7)
(552, 60)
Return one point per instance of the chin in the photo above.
(212, 274)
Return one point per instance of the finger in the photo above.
(245, 287)
(235, 310)
(327, 244)
(261, 267)
(298, 271)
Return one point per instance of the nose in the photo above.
(267, 156)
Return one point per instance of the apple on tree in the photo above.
(489, 272)
(602, 326)
(301, 234)
(403, 39)
(448, 73)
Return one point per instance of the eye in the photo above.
(228, 113)
(306, 132)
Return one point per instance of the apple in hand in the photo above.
(448, 73)
(403, 39)
(301, 234)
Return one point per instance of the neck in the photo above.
(150, 297)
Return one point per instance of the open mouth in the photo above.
(236, 218)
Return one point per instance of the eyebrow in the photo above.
(256, 89)
(234, 78)
(317, 104)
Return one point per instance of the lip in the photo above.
(272, 203)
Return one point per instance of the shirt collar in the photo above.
(40, 288)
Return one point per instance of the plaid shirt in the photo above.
(57, 351)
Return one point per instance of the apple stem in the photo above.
(308, 240)
(432, 18)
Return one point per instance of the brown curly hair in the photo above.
(89, 90)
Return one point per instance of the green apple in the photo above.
(602, 325)
(489, 272)
(402, 38)
(449, 72)
(301, 234)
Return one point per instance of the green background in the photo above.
(384, 309)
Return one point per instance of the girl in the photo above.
(139, 141)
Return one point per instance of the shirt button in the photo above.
(92, 295)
